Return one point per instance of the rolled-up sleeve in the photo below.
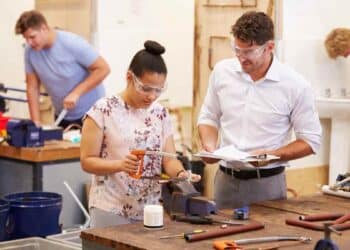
(305, 119)
(96, 112)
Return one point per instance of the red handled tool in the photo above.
(140, 154)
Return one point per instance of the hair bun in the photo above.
(154, 47)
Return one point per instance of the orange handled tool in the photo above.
(140, 154)
(226, 245)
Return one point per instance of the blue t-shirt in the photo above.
(62, 67)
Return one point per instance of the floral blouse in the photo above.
(124, 129)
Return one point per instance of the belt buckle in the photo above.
(229, 171)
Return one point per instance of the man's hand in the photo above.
(260, 162)
(208, 148)
(70, 101)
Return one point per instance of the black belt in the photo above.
(252, 174)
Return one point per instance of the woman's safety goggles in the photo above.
(144, 88)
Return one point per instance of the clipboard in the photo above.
(232, 154)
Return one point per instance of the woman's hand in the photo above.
(192, 177)
(129, 164)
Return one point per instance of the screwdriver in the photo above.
(204, 220)
(182, 235)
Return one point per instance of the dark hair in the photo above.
(149, 59)
(253, 27)
(29, 19)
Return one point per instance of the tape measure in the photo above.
(241, 213)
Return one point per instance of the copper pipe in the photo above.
(341, 227)
(320, 217)
(304, 224)
(224, 231)
(342, 219)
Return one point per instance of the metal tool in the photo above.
(183, 198)
(327, 243)
(60, 117)
(140, 153)
(339, 184)
(183, 235)
(272, 239)
(161, 153)
(24, 133)
(162, 179)
(204, 220)
(236, 244)
(219, 232)
(5, 89)
(241, 213)
(261, 158)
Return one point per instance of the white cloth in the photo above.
(260, 115)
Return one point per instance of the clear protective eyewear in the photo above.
(249, 53)
(146, 89)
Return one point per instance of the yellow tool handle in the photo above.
(182, 235)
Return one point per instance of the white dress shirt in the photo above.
(260, 115)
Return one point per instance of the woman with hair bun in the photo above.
(117, 124)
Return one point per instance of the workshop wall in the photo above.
(303, 29)
(294, 30)
(121, 27)
(11, 51)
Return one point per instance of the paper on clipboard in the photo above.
(232, 154)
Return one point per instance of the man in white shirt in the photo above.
(254, 102)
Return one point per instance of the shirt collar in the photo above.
(272, 74)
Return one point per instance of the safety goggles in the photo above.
(249, 53)
(145, 88)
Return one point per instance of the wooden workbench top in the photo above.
(51, 151)
(311, 204)
(135, 236)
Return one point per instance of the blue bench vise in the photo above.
(183, 198)
(24, 133)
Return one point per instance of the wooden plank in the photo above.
(51, 151)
